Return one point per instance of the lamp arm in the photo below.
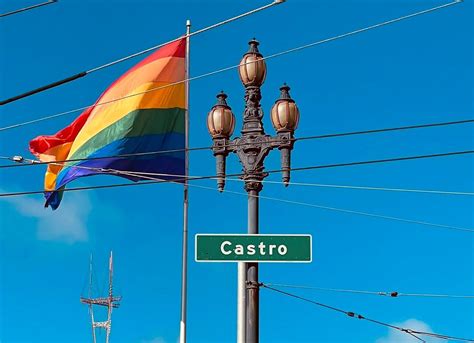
(285, 145)
(285, 165)
(221, 148)
(220, 171)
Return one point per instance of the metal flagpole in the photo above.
(184, 271)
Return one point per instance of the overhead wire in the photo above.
(149, 176)
(360, 213)
(390, 129)
(412, 332)
(354, 32)
(28, 8)
(169, 179)
(367, 188)
(27, 162)
(142, 52)
(391, 294)
(181, 177)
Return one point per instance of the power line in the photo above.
(381, 161)
(305, 184)
(109, 64)
(308, 184)
(150, 176)
(227, 68)
(392, 294)
(182, 177)
(412, 332)
(27, 162)
(28, 8)
(360, 213)
(400, 128)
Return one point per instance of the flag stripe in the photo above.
(174, 49)
(147, 143)
(167, 164)
(164, 70)
(106, 127)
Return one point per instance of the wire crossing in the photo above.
(412, 332)
(128, 173)
(25, 162)
(168, 178)
(120, 60)
(181, 178)
(281, 53)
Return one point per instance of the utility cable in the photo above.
(360, 213)
(305, 184)
(90, 71)
(392, 294)
(411, 332)
(308, 184)
(25, 162)
(178, 180)
(400, 128)
(190, 177)
(148, 177)
(181, 177)
(228, 68)
(28, 8)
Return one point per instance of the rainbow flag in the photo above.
(146, 122)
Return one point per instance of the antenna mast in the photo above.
(110, 302)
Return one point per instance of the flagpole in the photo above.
(184, 271)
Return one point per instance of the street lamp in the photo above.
(252, 148)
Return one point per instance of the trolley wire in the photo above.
(155, 179)
(26, 162)
(149, 176)
(183, 177)
(28, 8)
(302, 47)
(30, 162)
(367, 188)
(412, 332)
(359, 213)
(391, 294)
(109, 64)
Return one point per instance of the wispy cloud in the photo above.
(66, 224)
(395, 336)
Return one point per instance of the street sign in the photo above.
(253, 248)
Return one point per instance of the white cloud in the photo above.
(66, 224)
(396, 336)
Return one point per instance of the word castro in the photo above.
(256, 248)
(227, 248)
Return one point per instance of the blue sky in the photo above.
(414, 72)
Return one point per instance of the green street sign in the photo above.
(253, 248)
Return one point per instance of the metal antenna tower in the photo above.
(110, 302)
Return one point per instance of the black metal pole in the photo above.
(252, 274)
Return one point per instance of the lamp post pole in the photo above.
(252, 148)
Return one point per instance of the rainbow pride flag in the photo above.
(150, 121)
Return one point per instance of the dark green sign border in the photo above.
(298, 243)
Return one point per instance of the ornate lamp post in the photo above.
(252, 148)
